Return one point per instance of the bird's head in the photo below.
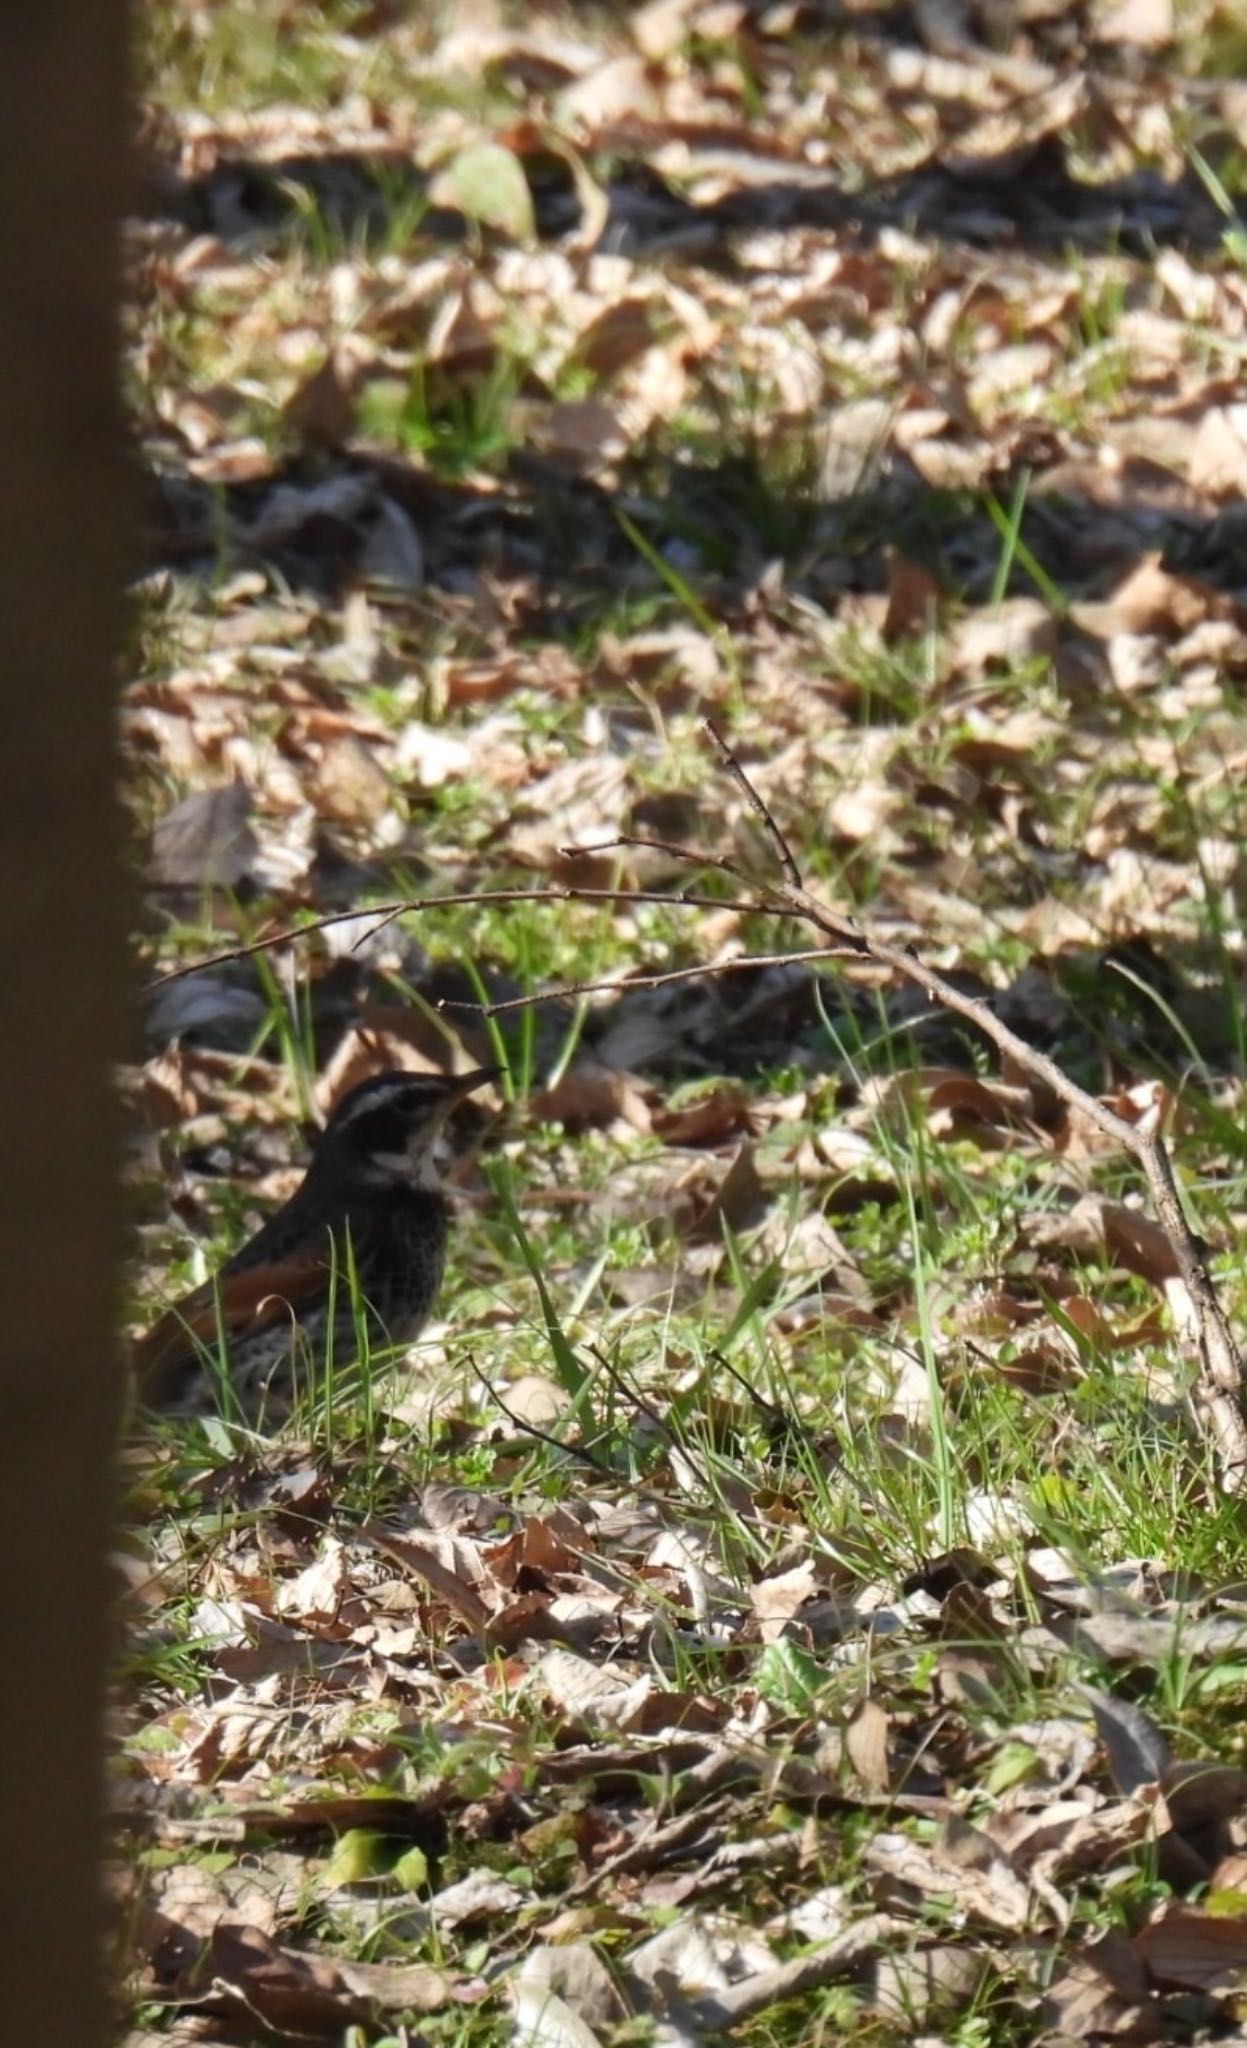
(383, 1133)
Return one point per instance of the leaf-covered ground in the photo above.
(787, 1595)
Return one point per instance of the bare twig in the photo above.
(541, 1436)
(565, 991)
(1220, 1397)
(783, 852)
(630, 1393)
(385, 913)
(688, 856)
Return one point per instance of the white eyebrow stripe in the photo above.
(412, 1086)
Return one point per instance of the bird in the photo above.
(361, 1240)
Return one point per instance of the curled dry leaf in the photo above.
(349, 782)
(739, 1200)
(586, 1693)
(778, 1600)
(913, 600)
(928, 1981)
(486, 183)
(1039, 1371)
(535, 1399)
(866, 1743)
(701, 1952)
(450, 1566)
(1019, 630)
(1153, 599)
(723, 1113)
(1138, 1753)
(956, 1104)
(963, 1866)
(317, 1593)
(430, 757)
(1100, 1993)
(589, 1095)
(616, 337)
(582, 434)
(1059, 1843)
(1148, 24)
(296, 1992)
(1102, 1333)
(321, 410)
(1095, 1227)
(1188, 1947)
(206, 841)
(576, 1974)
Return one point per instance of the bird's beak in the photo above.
(460, 1085)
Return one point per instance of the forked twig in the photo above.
(651, 1414)
(760, 809)
(541, 1436)
(1219, 1398)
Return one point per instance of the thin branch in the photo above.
(564, 991)
(769, 1407)
(629, 1393)
(385, 913)
(783, 852)
(688, 856)
(579, 1451)
(1220, 1398)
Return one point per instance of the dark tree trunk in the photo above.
(62, 65)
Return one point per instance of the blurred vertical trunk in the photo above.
(62, 68)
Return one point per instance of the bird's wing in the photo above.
(235, 1305)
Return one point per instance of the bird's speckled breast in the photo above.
(406, 1261)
